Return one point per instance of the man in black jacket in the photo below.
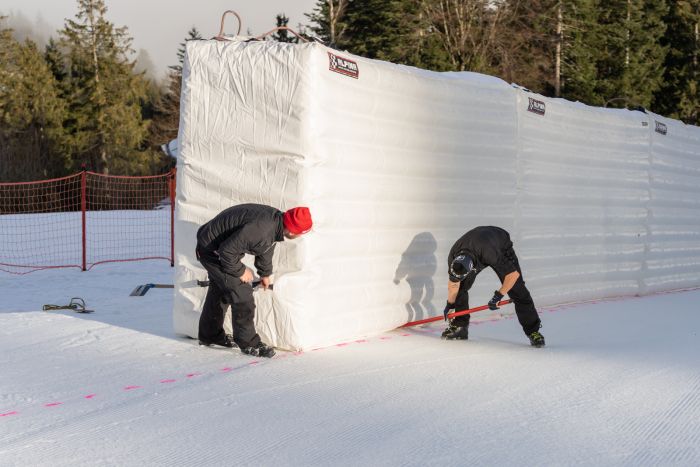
(474, 251)
(221, 244)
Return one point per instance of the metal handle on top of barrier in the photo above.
(220, 36)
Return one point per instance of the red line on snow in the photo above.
(551, 309)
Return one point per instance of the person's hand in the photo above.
(247, 276)
(449, 306)
(265, 282)
(493, 303)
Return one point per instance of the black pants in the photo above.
(524, 305)
(238, 294)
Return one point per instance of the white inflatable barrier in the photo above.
(396, 163)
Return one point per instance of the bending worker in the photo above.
(221, 244)
(477, 249)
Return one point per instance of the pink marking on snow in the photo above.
(129, 388)
(300, 352)
(53, 404)
(168, 380)
(192, 375)
(226, 370)
(385, 338)
(361, 341)
(14, 412)
(89, 396)
(254, 363)
(342, 344)
(405, 334)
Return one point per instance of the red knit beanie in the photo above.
(297, 220)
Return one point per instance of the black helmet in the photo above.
(461, 266)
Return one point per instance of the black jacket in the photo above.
(486, 246)
(246, 228)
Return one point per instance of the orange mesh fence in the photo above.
(85, 219)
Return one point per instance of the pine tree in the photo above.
(580, 49)
(166, 116)
(105, 126)
(328, 21)
(679, 96)
(283, 35)
(31, 113)
(631, 68)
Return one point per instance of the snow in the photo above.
(617, 384)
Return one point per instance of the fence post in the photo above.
(172, 185)
(83, 207)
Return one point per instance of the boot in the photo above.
(226, 341)
(260, 350)
(536, 339)
(453, 332)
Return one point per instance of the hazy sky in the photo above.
(158, 26)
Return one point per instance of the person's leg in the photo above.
(522, 300)
(243, 313)
(524, 307)
(459, 326)
(211, 321)
(462, 303)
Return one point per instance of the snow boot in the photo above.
(226, 341)
(536, 339)
(453, 332)
(260, 350)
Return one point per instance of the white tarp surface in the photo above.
(397, 163)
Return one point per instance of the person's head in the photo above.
(297, 221)
(461, 266)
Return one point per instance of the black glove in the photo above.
(448, 307)
(493, 303)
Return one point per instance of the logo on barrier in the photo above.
(535, 106)
(661, 128)
(343, 66)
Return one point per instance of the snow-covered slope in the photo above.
(617, 384)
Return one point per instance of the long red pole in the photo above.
(83, 208)
(453, 314)
(173, 174)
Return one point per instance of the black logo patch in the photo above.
(661, 128)
(535, 106)
(343, 66)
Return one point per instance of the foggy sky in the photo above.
(156, 26)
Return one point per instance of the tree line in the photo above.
(613, 53)
(80, 103)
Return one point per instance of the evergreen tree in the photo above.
(105, 128)
(580, 49)
(31, 113)
(679, 95)
(327, 21)
(166, 116)
(192, 35)
(630, 68)
(283, 35)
